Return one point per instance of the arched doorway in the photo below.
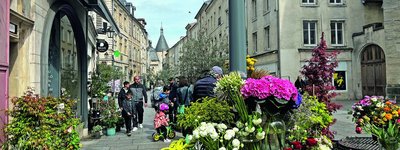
(373, 71)
(65, 66)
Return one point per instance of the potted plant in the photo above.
(97, 131)
(109, 115)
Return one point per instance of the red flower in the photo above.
(358, 130)
(311, 142)
(296, 144)
(287, 148)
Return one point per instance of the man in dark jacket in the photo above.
(138, 95)
(204, 87)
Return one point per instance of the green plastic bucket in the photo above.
(110, 131)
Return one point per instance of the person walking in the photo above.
(122, 94)
(184, 98)
(173, 87)
(128, 112)
(204, 87)
(139, 96)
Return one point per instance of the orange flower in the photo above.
(386, 109)
(388, 103)
(388, 116)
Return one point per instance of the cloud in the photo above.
(174, 15)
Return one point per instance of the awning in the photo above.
(100, 8)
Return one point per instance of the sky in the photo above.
(173, 14)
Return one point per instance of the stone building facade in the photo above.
(132, 42)
(51, 47)
(282, 34)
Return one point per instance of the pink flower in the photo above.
(269, 86)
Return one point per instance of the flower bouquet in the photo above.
(274, 95)
(380, 117)
(217, 136)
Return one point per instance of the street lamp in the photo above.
(110, 34)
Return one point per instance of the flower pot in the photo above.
(97, 135)
(110, 131)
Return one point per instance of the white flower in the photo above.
(374, 99)
(231, 132)
(222, 148)
(203, 133)
(190, 137)
(227, 137)
(249, 130)
(260, 135)
(214, 135)
(196, 134)
(235, 129)
(323, 147)
(235, 148)
(210, 129)
(245, 133)
(239, 124)
(236, 143)
(257, 121)
(203, 124)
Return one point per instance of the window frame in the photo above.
(255, 42)
(308, 2)
(309, 43)
(267, 38)
(336, 3)
(336, 22)
(254, 9)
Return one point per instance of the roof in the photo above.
(153, 54)
(205, 4)
(162, 43)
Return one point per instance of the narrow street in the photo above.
(140, 140)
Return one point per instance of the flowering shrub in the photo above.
(379, 117)
(308, 123)
(42, 123)
(269, 86)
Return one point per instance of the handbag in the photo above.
(181, 108)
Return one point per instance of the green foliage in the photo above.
(97, 128)
(165, 74)
(201, 54)
(42, 123)
(309, 119)
(386, 136)
(209, 110)
(104, 74)
(109, 113)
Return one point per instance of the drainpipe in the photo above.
(279, 38)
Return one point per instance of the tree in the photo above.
(319, 71)
(104, 74)
(201, 54)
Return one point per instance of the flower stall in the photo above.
(379, 117)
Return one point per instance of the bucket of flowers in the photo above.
(379, 117)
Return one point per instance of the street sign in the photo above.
(117, 53)
(101, 45)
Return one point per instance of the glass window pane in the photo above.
(305, 37)
(340, 37)
(312, 25)
(339, 25)
(333, 37)
(312, 37)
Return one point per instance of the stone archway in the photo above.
(373, 71)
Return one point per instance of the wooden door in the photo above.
(373, 71)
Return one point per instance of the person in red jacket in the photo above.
(161, 121)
